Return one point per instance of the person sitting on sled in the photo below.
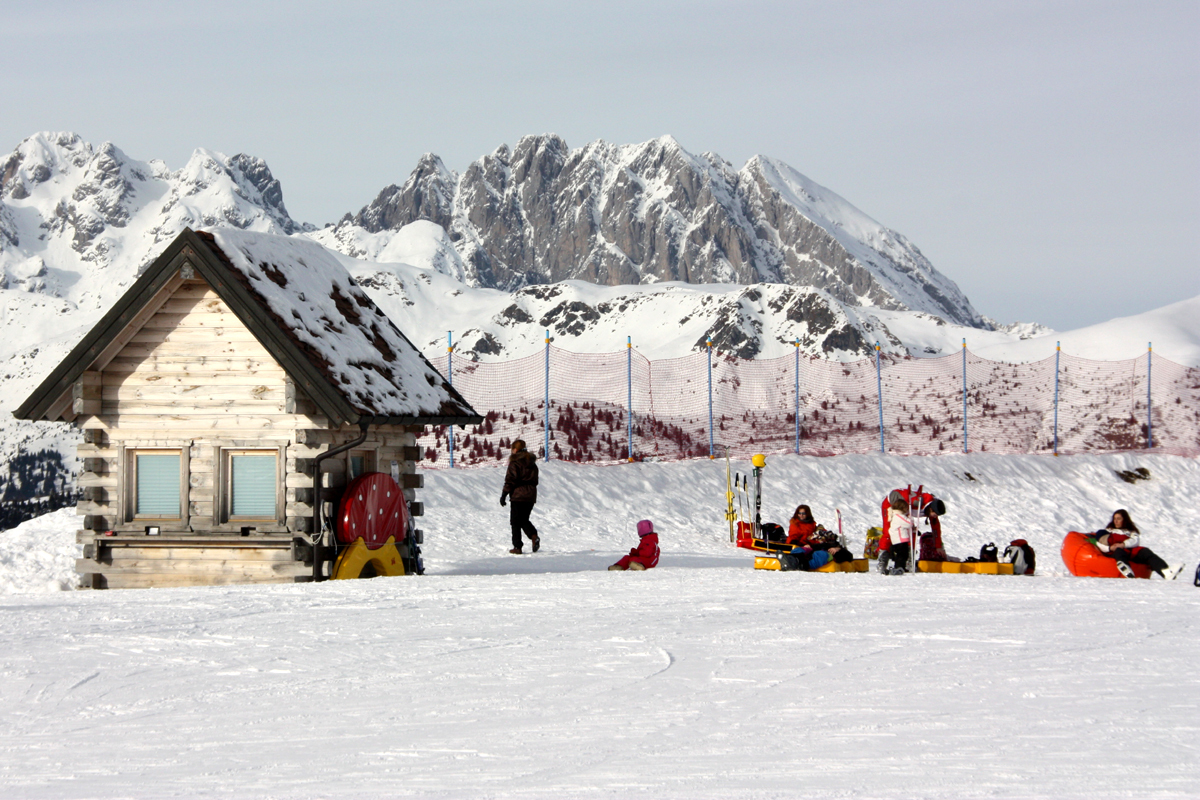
(1119, 541)
(645, 555)
(803, 530)
(931, 548)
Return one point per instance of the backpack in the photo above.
(988, 552)
(773, 532)
(872, 548)
(1021, 556)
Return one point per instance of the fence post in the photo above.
(964, 395)
(710, 418)
(629, 389)
(1057, 353)
(450, 380)
(1149, 410)
(797, 397)
(879, 391)
(546, 416)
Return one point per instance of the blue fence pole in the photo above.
(1057, 353)
(797, 397)
(546, 416)
(629, 389)
(710, 416)
(1149, 409)
(450, 380)
(964, 395)
(879, 390)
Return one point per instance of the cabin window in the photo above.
(361, 461)
(156, 484)
(250, 489)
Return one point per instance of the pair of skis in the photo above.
(737, 483)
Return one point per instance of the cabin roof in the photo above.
(306, 310)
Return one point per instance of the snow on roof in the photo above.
(341, 331)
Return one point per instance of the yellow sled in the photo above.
(356, 561)
(772, 562)
(971, 567)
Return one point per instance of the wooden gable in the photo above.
(194, 363)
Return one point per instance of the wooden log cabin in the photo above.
(225, 402)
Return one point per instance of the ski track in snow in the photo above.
(545, 676)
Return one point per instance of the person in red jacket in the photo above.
(911, 500)
(802, 526)
(804, 532)
(645, 555)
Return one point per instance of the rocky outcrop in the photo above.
(614, 215)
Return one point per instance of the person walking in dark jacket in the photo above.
(520, 483)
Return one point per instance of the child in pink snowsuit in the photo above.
(645, 555)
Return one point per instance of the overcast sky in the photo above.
(1043, 155)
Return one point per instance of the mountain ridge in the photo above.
(652, 212)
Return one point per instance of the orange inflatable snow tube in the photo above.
(1085, 561)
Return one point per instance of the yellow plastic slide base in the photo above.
(772, 562)
(857, 565)
(971, 567)
(356, 561)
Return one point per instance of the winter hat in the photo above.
(645, 527)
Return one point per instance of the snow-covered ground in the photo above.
(546, 676)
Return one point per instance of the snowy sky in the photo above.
(1042, 154)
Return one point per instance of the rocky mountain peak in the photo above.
(652, 212)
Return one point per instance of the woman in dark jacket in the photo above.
(1121, 541)
(520, 483)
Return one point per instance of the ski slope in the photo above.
(542, 676)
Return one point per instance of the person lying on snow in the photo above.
(1120, 540)
(803, 530)
(809, 559)
(645, 555)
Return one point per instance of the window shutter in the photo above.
(157, 485)
(253, 489)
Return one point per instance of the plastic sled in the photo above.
(1084, 561)
(772, 562)
(745, 538)
(359, 560)
(967, 567)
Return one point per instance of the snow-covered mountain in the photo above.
(685, 232)
(593, 244)
(1174, 331)
(664, 320)
(647, 213)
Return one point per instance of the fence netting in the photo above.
(610, 407)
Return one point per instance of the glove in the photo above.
(503, 499)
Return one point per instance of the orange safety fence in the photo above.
(755, 406)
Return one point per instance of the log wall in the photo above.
(193, 378)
